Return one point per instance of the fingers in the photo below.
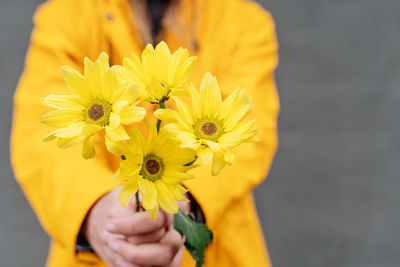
(137, 223)
(172, 238)
(101, 248)
(152, 237)
(119, 210)
(145, 254)
(162, 253)
(176, 262)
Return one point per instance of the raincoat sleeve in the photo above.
(250, 63)
(60, 185)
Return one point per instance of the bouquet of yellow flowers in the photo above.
(204, 128)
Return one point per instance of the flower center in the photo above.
(98, 112)
(152, 168)
(209, 129)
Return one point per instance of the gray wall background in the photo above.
(331, 198)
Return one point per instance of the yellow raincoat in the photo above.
(234, 39)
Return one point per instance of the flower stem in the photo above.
(162, 105)
(137, 201)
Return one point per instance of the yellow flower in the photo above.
(156, 168)
(160, 74)
(211, 126)
(98, 101)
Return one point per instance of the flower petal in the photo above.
(117, 134)
(177, 60)
(187, 137)
(76, 83)
(127, 192)
(115, 120)
(153, 213)
(172, 129)
(193, 146)
(149, 61)
(166, 198)
(236, 117)
(205, 155)
(213, 145)
(183, 90)
(149, 194)
(196, 103)
(136, 142)
(184, 112)
(94, 74)
(118, 177)
(151, 141)
(71, 131)
(132, 114)
(90, 129)
(184, 71)
(157, 90)
(67, 142)
(110, 85)
(166, 115)
(69, 102)
(172, 176)
(132, 71)
(61, 118)
(163, 57)
(119, 105)
(118, 148)
(88, 148)
(210, 95)
(50, 136)
(229, 156)
(177, 156)
(230, 101)
(240, 134)
(218, 163)
(178, 192)
(130, 167)
(127, 92)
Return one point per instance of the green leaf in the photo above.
(198, 236)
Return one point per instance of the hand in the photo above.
(108, 207)
(138, 229)
(146, 244)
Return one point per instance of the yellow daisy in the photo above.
(160, 74)
(156, 168)
(98, 101)
(211, 126)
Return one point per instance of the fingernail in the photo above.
(113, 245)
(111, 227)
